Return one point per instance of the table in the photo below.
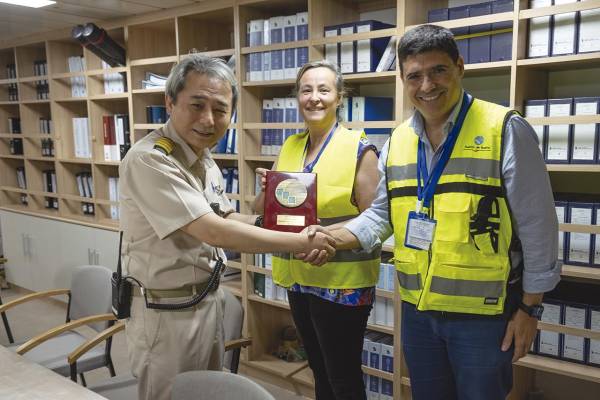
(21, 379)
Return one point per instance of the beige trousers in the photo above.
(162, 344)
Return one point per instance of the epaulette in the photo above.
(164, 145)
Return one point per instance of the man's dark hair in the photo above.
(426, 38)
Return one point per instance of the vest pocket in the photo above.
(452, 212)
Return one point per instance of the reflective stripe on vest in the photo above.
(465, 270)
(335, 180)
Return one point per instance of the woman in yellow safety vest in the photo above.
(330, 304)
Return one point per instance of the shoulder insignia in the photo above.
(164, 145)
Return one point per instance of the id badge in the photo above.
(420, 230)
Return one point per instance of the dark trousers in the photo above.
(333, 338)
(452, 358)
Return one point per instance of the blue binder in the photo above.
(463, 44)
(376, 46)
(265, 140)
(501, 46)
(479, 47)
(439, 14)
(301, 56)
(378, 109)
(596, 238)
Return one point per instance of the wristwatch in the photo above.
(534, 311)
(259, 221)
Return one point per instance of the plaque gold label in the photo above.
(290, 220)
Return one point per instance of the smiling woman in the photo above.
(330, 304)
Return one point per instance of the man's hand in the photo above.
(262, 172)
(522, 329)
(315, 255)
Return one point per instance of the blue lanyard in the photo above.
(309, 167)
(425, 192)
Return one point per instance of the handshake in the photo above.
(319, 245)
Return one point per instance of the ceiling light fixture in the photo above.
(29, 3)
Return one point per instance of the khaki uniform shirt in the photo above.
(159, 194)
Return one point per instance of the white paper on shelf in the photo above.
(584, 135)
(594, 349)
(558, 135)
(561, 217)
(589, 31)
(549, 341)
(580, 243)
(347, 51)
(537, 111)
(574, 345)
(563, 32)
(539, 31)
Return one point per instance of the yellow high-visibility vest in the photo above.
(465, 270)
(335, 169)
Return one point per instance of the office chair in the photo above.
(89, 304)
(216, 385)
(6, 324)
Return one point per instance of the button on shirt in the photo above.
(528, 193)
(159, 194)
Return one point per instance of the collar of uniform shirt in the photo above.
(189, 156)
(418, 124)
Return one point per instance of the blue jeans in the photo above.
(455, 357)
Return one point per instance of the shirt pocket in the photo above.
(453, 212)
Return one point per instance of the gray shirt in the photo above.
(528, 193)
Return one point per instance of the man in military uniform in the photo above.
(175, 219)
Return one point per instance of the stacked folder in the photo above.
(570, 305)
(276, 64)
(484, 42)
(378, 353)
(567, 143)
(85, 185)
(563, 34)
(360, 56)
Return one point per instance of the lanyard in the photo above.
(426, 191)
(309, 167)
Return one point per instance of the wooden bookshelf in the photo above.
(156, 41)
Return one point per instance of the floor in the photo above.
(29, 319)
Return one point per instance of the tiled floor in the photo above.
(29, 319)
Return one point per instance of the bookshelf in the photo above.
(157, 40)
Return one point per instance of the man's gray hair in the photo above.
(339, 79)
(213, 67)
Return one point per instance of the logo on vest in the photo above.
(478, 145)
(490, 301)
(217, 189)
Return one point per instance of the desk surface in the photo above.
(24, 380)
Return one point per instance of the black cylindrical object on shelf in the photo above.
(99, 38)
(77, 34)
(97, 41)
